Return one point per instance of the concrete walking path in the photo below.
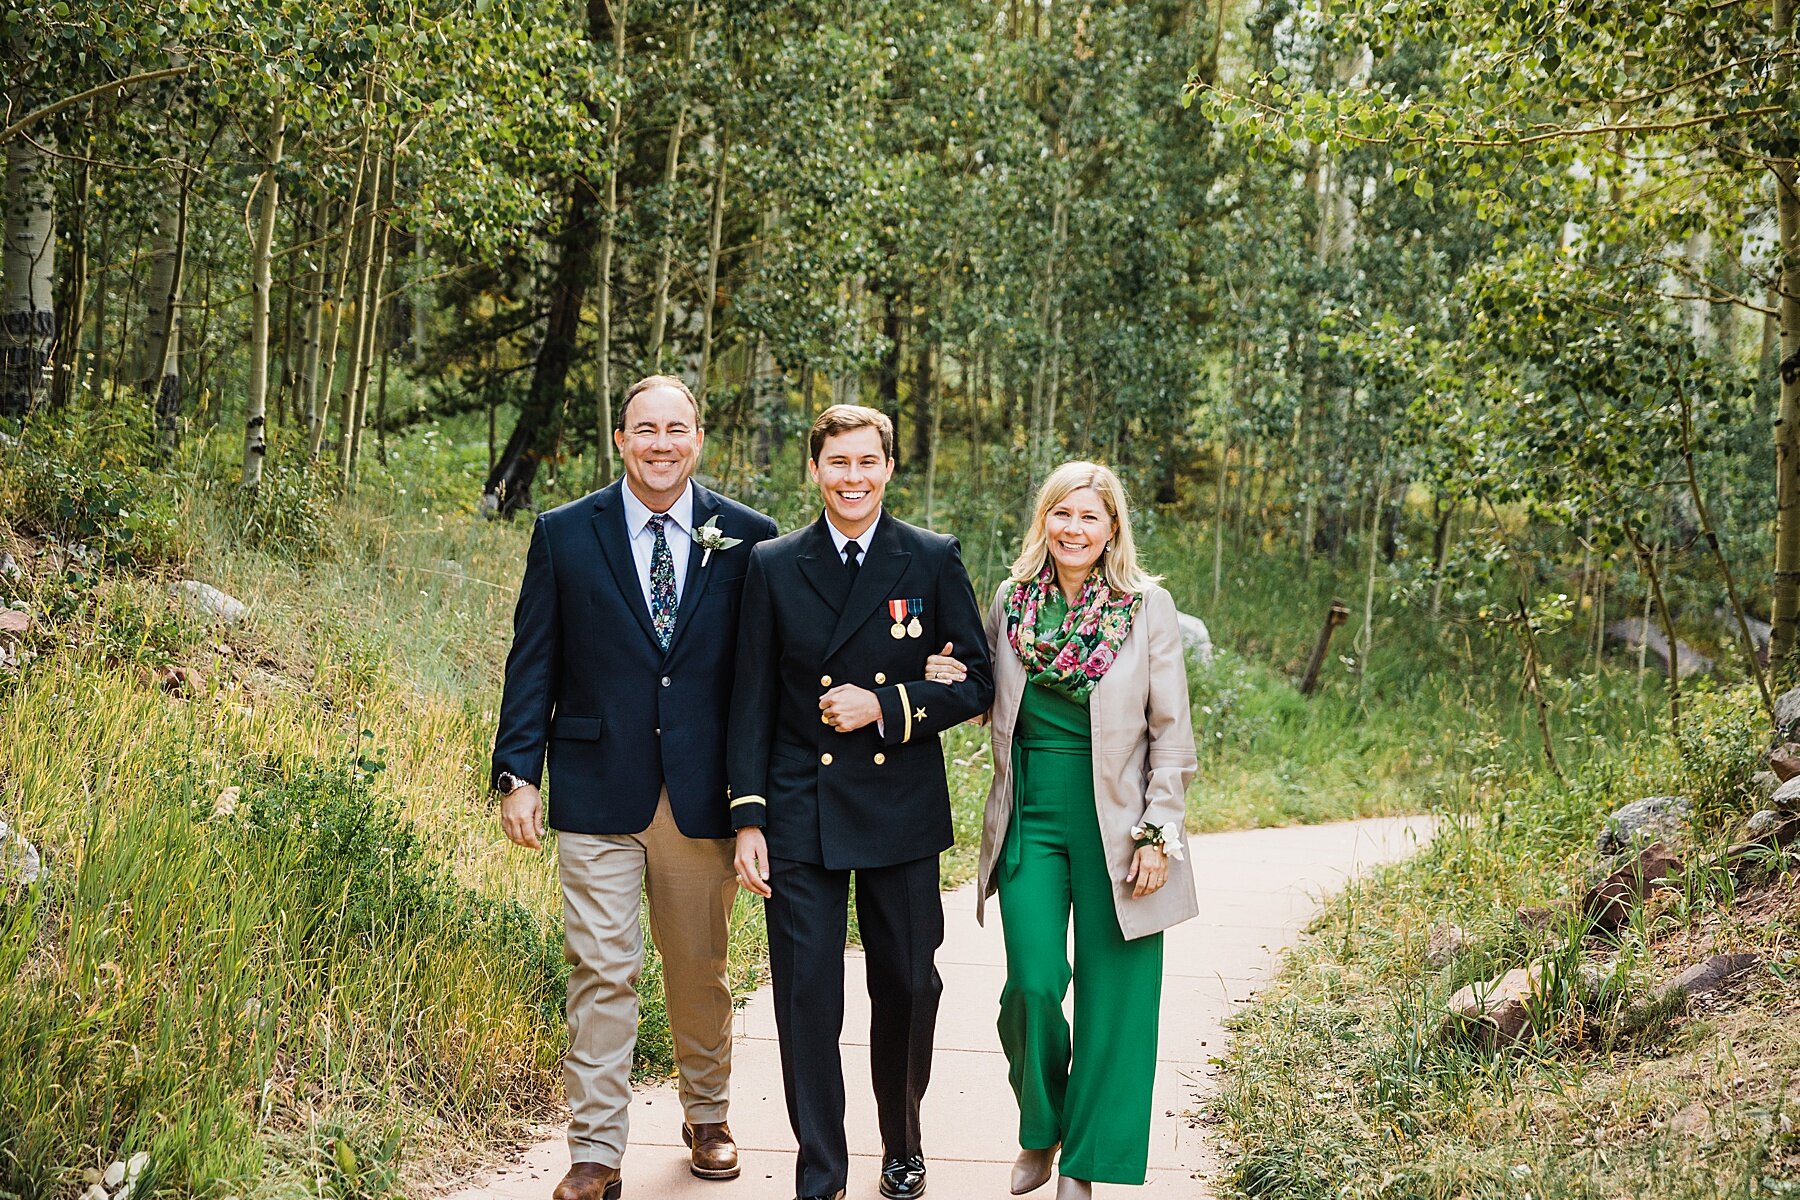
(1258, 888)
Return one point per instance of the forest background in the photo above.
(1482, 318)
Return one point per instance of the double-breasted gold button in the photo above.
(824, 681)
(881, 677)
(880, 758)
(825, 760)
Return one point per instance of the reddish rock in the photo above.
(1502, 1010)
(1610, 901)
(1784, 760)
(176, 680)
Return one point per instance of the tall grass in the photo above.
(1342, 1080)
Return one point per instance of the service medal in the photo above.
(897, 610)
(914, 608)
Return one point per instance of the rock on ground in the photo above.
(1609, 902)
(209, 601)
(1761, 823)
(1501, 1010)
(1196, 639)
(19, 859)
(1709, 976)
(1654, 818)
(1786, 798)
(1446, 941)
(1787, 713)
(1784, 760)
(1635, 631)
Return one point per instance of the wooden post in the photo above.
(1336, 615)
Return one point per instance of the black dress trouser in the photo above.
(901, 919)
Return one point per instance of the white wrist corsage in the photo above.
(1157, 835)
(710, 537)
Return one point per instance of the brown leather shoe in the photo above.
(715, 1154)
(589, 1181)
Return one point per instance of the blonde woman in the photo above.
(1093, 751)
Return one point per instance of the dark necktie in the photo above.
(852, 559)
(663, 604)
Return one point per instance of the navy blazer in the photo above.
(867, 798)
(587, 682)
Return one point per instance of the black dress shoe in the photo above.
(903, 1176)
(837, 1195)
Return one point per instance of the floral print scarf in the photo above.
(1073, 658)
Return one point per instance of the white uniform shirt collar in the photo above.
(840, 539)
(638, 514)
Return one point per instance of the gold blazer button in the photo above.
(825, 760)
(824, 681)
(880, 758)
(880, 677)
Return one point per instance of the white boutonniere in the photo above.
(1154, 835)
(711, 537)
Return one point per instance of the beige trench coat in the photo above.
(1143, 747)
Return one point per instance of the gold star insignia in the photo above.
(918, 714)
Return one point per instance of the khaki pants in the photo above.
(690, 884)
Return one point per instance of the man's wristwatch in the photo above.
(508, 783)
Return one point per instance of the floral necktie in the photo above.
(663, 604)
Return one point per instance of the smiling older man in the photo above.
(621, 671)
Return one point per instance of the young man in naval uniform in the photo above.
(835, 771)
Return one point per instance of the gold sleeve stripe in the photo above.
(748, 800)
(906, 710)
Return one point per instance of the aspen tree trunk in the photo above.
(117, 370)
(255, 419)
(1219, 525)
(659, 305)
(312, 318)
(27, 306)
(372, 299)
(349, 415)
(714, 239)
(72, 311)
(603, 457)
(934, 427)
(1042, 419)
(346, 251)
(922, 398)
(1785, 616)
(159, 369)
(97, 354)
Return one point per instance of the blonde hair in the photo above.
(1119, 562)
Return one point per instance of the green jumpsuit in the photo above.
(1092, 1092)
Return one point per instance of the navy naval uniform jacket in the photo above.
(587, 683)
(867, 798)
(872, 802)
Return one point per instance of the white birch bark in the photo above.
(269, 194)
(27, 306)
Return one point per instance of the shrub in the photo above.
(89, 484)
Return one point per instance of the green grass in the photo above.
(1341, 1082)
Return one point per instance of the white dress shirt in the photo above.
(679, 530)
(840, 539)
